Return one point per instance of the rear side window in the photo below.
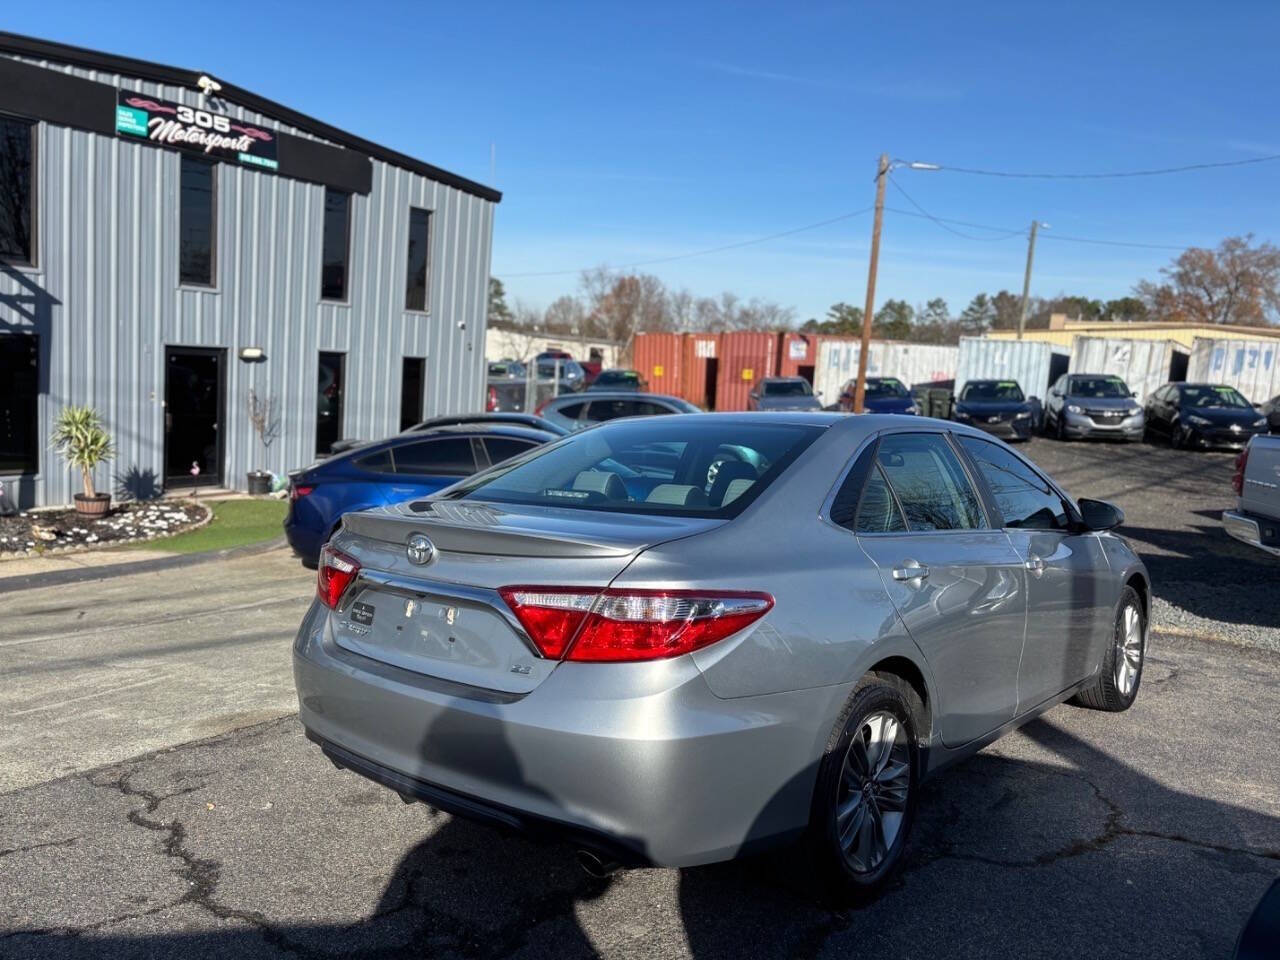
(448, 456)
(570, 410)
(504, 448)
(379, 462)
(878, 510)
(602, 410)
(929, 481)
(1024, 498)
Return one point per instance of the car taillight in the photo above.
(333, 575)
(299, 490)
(630, 625)
(1237, 478)
(492, 405)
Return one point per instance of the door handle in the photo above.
(911, 570)
(1035, 565)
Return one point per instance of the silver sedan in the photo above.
(676, 640)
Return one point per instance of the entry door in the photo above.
(194, 411)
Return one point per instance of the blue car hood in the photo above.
(888, 404)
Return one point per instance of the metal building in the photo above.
(170, 242)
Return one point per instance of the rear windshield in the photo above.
(786, 388)
(618, 376)
(992, 391)
(885, 387)
(1213, 397)
(672, 466)
(1099, 387)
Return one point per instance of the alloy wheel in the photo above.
(1128, 650)
(871, 798)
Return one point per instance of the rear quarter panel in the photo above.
(1261, 492)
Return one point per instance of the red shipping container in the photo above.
(797, 355)
(700, 368)
(746, 357)
(656, 357)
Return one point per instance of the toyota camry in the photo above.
(677, 640)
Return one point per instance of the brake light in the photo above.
(1237, 478)
(333, 575)
(492, 405)
(299, 490)
(630, 625)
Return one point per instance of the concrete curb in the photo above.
(57, 578)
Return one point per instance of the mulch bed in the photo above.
(63, 531)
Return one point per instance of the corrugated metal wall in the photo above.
(912, 363)
(797, 354)
(746, 357)
(105, 299)
(1031, 363)
(700, 368)
(1145, 365)
(1251, 366)
(657, 356)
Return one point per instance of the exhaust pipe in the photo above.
(596, 866)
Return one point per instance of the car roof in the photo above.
(774, 379)
(614, 395)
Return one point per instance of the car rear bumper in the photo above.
(639, 761)
(306, 543)
(1256, 531)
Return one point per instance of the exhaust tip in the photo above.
(596, 866)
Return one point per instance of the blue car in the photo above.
(390, 471)
(884, 395)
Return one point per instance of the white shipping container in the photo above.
(1251, 366)
(1145, 365)
(1032, 364)
(911, 363)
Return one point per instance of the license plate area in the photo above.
(461, 640)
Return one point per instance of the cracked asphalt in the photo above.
(128, 830)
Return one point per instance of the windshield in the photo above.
(1213, 397)
(991, 391)
(786, 388)
(506, 370)
(619, 377)
(568, 368)
(1097, 387)
(673, 466)
(886, 387)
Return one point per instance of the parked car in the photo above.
(998, 407)
(531, 420)
(1271, 410)
(410, 465)
(1203, 415)
(572, 376)
(883, 395)
(1256, 518)
(1093, 405)
(619, 380)
(791, 394)
(692, 638)
(579, 411)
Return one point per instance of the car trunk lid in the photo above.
(444, 618)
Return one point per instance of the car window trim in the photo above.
(1073, 512)
(893, 495)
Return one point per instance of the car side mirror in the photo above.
(1098, 515)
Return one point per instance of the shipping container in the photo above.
(1145, 365)
(656, 357)
(699, 368)
(746, 357)
(1033, 364)
(1251, 366)
(912, 363)
(797, 355)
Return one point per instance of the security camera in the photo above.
(208, 86)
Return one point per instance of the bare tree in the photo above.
(1238, 283)
(620, 305)
(565, 315)
(264, 416)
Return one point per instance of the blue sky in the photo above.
(631, 132)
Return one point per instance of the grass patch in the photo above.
(235, 523)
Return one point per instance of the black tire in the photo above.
(1060, 431)
(1175, 436)
(1106, 693)
(838, 877)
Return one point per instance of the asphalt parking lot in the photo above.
(1147, 833)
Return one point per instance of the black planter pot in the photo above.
(259, 483)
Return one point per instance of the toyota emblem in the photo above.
(419, 549)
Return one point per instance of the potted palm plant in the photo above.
(78, 434)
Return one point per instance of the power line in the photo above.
(968, 236)
(701, 253)
(1156, 172)
(1118, 243)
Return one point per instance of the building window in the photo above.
(19, 372)
(415, 294)
(337, 228)
(198, 222)
(329, 400)
(412, 375)
(17, 220)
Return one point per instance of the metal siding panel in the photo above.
(747, 357)
(1251, 366)
(912, 363)
(1026, 361)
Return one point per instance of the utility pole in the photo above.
(1026, 279)
(860, 391)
